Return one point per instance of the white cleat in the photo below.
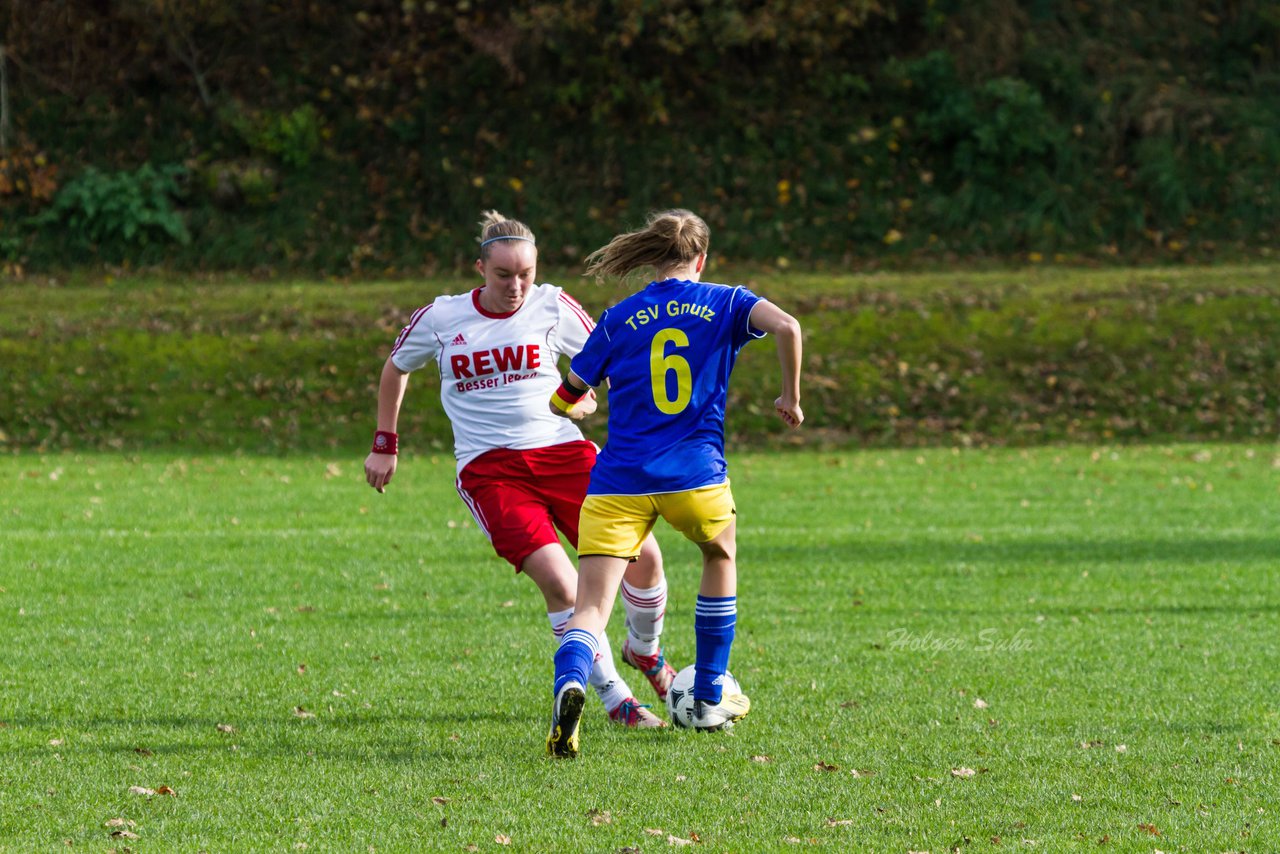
(708, 717)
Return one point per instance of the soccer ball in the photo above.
(680, 695)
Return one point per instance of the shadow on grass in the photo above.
(413, 737)
(933, 550)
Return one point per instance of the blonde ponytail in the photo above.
(669, 239)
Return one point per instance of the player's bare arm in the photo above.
(767, 317)
(574, 399)
(380, 465)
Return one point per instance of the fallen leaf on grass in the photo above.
(225, 728)
(676, 840)
(142, 751)
(599, 817)
(299, 712)
(1086, 745)
(963, 772)
(826, 766)
(839, 822)
(143, 790)
(979, 703)
(124, 834)
(1076, 798)
(1122, 748)
(761, 758)
(55, 742)
(654, 831)
(439, 801)
(118, 822)
(1149, 828)
(862, 772)
(502, 839)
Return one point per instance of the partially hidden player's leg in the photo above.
(565, 493)
(644, 596)
(598, 579)
(549, 567)
(715, 618)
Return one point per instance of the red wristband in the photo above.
(386, 442)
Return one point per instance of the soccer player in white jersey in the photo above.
(522, 471)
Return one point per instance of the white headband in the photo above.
(485, 243)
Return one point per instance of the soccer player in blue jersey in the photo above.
(666, 353)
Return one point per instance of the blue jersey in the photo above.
(667, 352)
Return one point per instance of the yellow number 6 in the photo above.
(660, 363)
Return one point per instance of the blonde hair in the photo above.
(669, 239)
(495, 226)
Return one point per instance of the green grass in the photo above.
(1114, 609)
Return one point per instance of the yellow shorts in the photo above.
(616, 525)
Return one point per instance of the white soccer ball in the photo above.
(680, 695)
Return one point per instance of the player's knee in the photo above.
(646, 570)
(550, 569)
(718, 550)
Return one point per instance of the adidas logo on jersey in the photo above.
(458, 341)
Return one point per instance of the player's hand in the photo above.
(378, 470)
(585, 406)
(789, 411)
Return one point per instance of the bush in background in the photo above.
(802, 131)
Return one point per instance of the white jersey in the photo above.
(497, 371)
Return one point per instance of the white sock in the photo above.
(645, 612)
(606, 679)
(604, 675)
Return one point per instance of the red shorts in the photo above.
(520, 498)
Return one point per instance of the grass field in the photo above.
(976, 650)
